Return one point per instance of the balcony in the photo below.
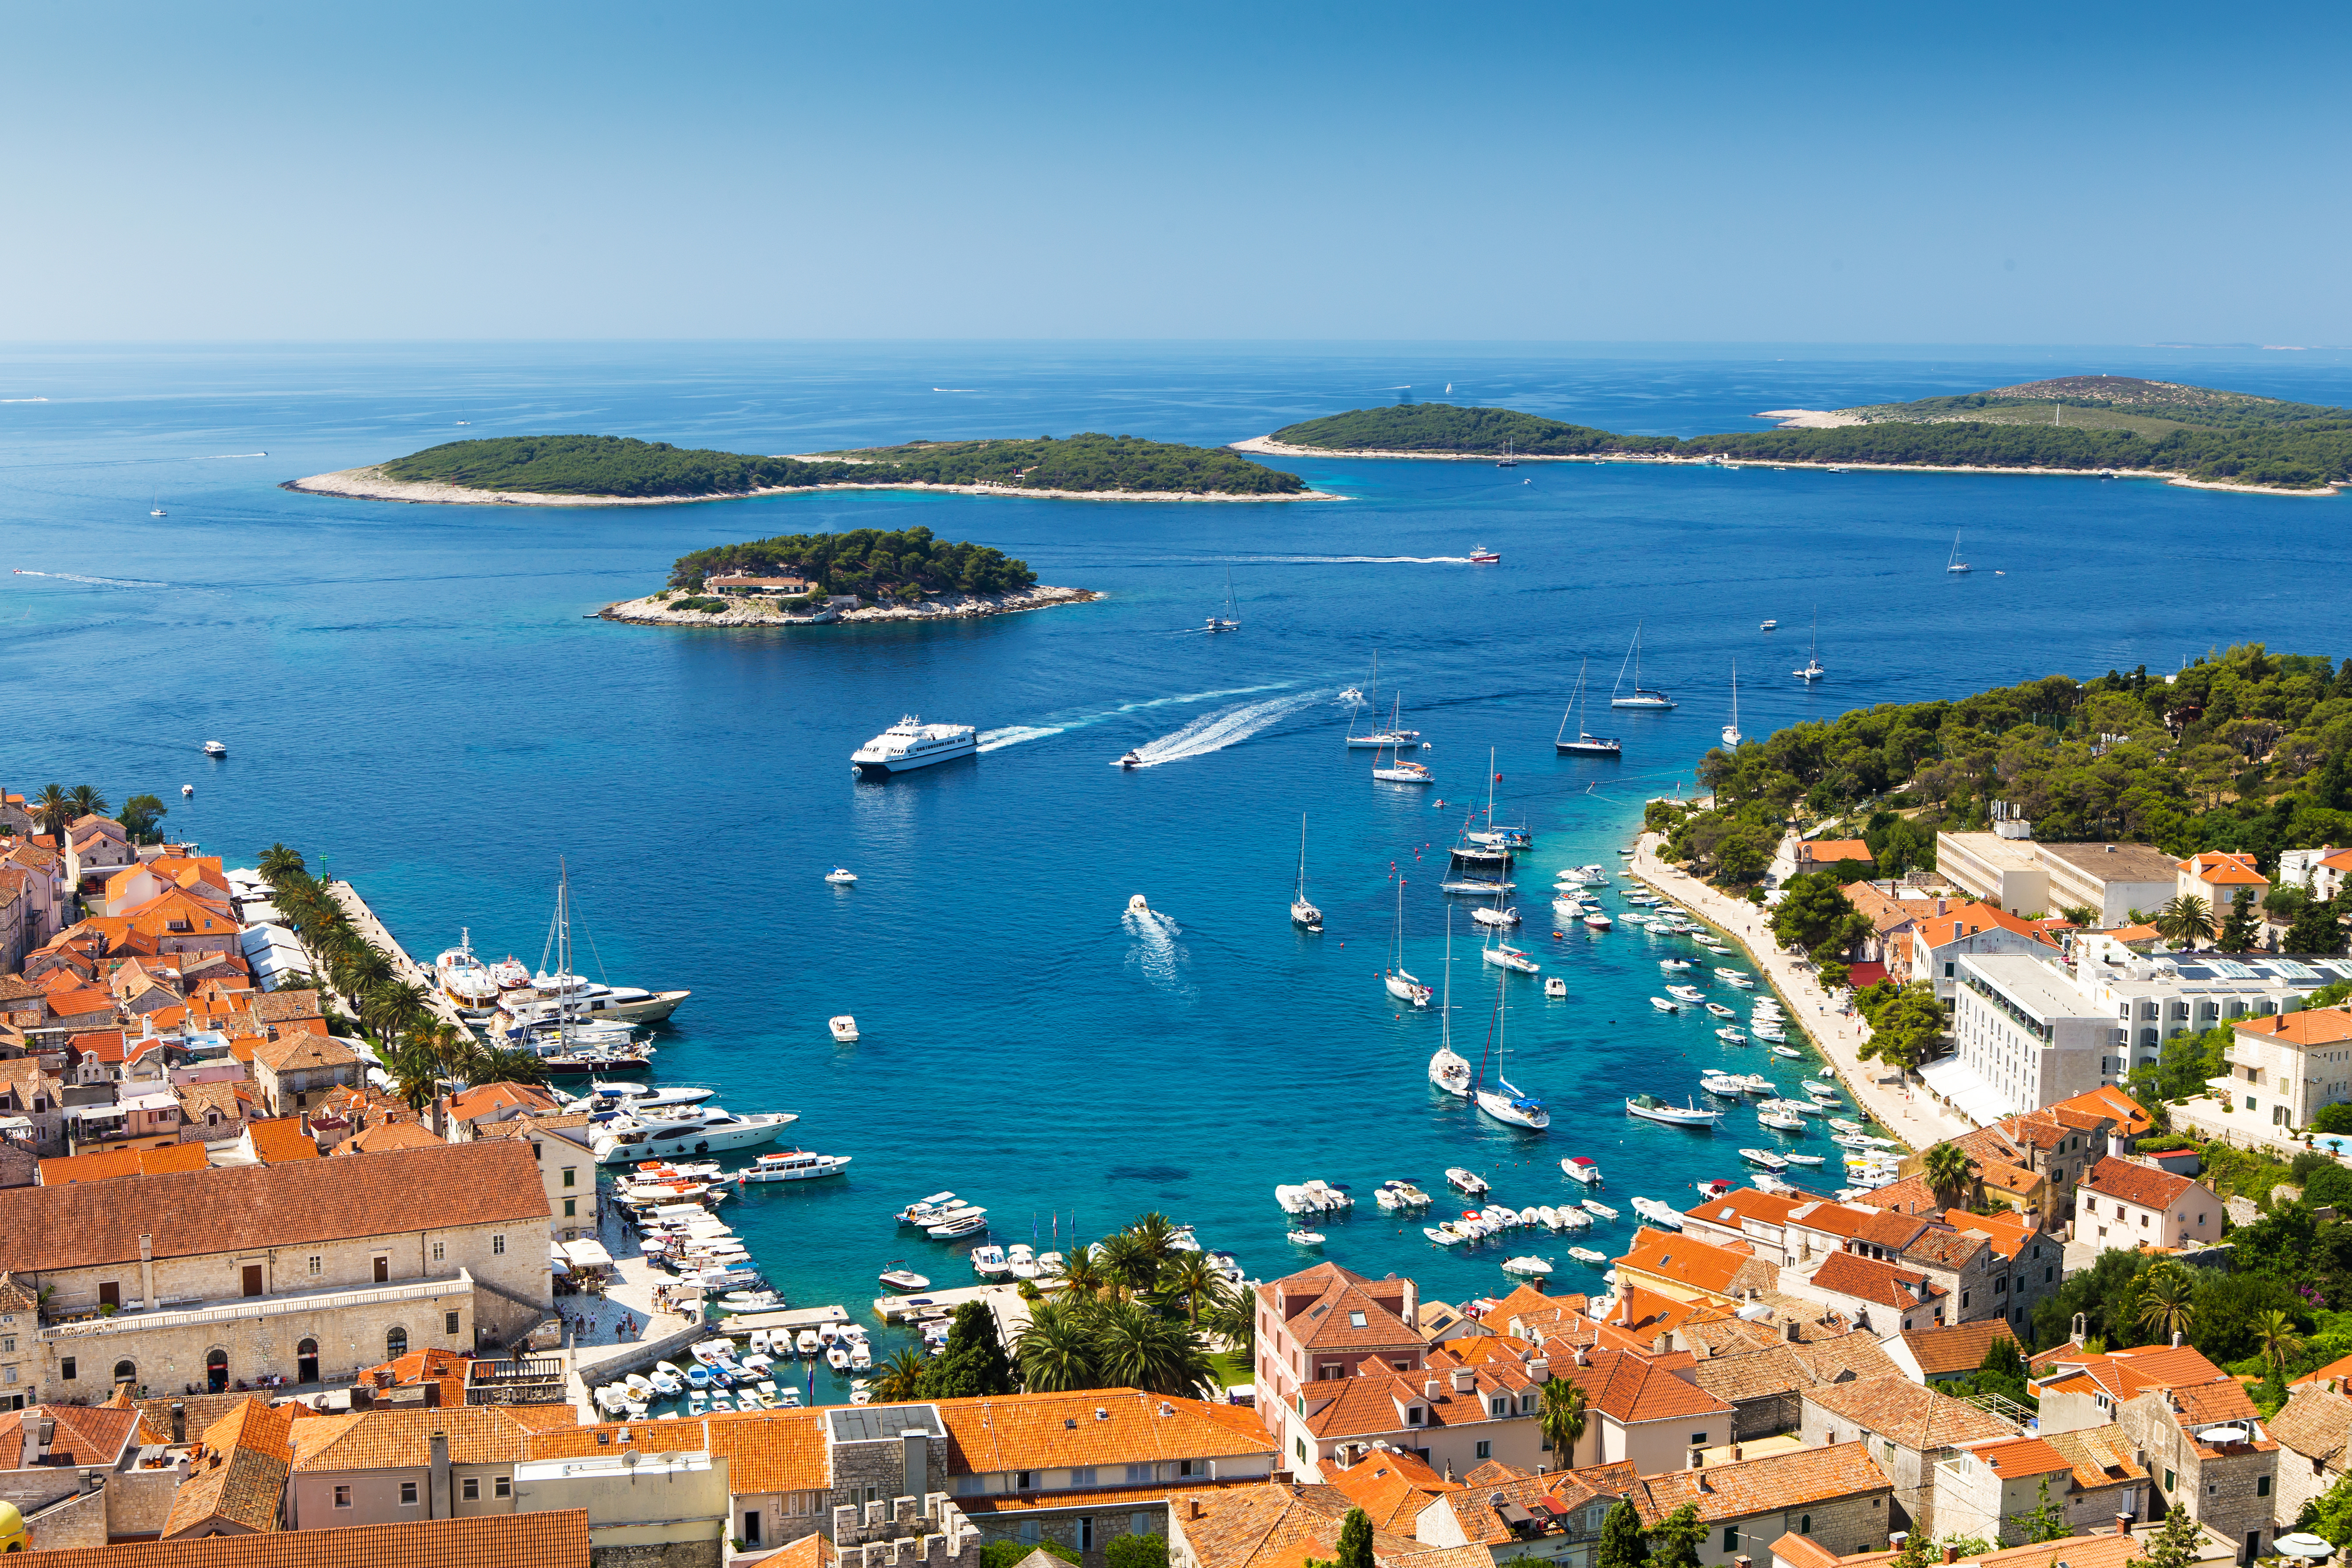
(189, 1314)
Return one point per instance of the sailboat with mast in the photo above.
(1586, 743)
(1509, 459)
(1491, 836)
(1400, 769)
(1813, 670)
(1448, 1068)
(1302, 913)
(1231, 621)
(1377, 738)
(1506, 1102)
(1731, 730)
(1955, 564)
(1401, 983)
(1644, 698)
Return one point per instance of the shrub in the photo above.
(1144, 1550)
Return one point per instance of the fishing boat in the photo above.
(1731, 731)
(1643, 699)
(1400, 983)
(1649, 1108)
(1764, 1157)
(1584, 1171)
(1780, 1121)
(1448, 1068)
(1586, 744)
(1377, 738)
(1303, 912)
(1506, 1102)
(1812, 671)
(1479, 554)
(1954, 564)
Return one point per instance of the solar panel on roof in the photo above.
(2230, 968)
(2287, 968)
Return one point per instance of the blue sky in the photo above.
(1721, 173)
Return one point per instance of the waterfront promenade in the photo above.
(1878, 1089)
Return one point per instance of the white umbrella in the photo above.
(2304, 1545)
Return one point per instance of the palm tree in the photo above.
(87, 803)
(2275, 1339)
(1081, 1277)
(397, 1006)
(1056, 1349)
(1233, 1319)
(1947, 1167)
(899, 1380)
(54, 809)
(277, 860)
(1135, 1347)
(1192, 1276)
(1562, 1418)
(513, 1065)
(416, 1076)
(1157, 1234)
(1129, 1262)
(2166, 1305)
(2186, 919)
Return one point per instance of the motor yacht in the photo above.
(962, 1225)
(1649, 1108)
(1304, 1237)
(911, 744)
(1782, 1121)
(1764, 1157)
(905, 1280)
(464, 978)
(627, 1142)
(990, 1262)
(793, 1165)
(1527, 1268)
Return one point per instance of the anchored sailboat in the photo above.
(1643, 697)
(1376, 739)
(1813, 670)
(1402, 984)
(1448, 1068)
(1302, 913)
(1506, 1102)
(1955, 563)
(1399, 770)
(1731, 730)
(1585, 744)
(1231, 621)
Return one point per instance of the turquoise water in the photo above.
(413, 695)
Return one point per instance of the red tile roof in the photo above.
(555, 1538)
(1868, 1279)
(2147, 1186)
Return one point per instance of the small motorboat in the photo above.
(1529, 1268)
(836, 1356)
(215, 749)
(1765, 1157)
(1790, 1051)
(845, 1029)
(1596, 921)
(1659, 1214)
(1720, 1010)
(1444, 1234)
(905, 1280)
(1587, 1255)
(961, 1225)
(187, 790)
(1304, 1237)
(1649, 1108)
(1672, 966)
(1782, 1121)
(1845, 1124)
(1131, 761)
(1137, 904)
(1686, 994)
(1730, 1037)
(990, 1262)
(840, 876)
(1578, 1168)
(1468, 1181)
(1805, 1159)
(806, 1345)
(1482, 556)
(1555, 987)
(1664, 1006)
(1504, 918)
(1815, 1087)
(1599, 1209)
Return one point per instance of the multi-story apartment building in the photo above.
(2284, 1068)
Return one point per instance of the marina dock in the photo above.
(794, 1318)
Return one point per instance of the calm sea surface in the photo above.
(412, 695)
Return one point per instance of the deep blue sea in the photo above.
(415, 695)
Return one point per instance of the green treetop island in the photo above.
(2192, 435)
(613, 470)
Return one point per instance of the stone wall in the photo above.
(76, 1521)
(665, 1555)
(905, 1531)
(138, 1502)
(1097, 1526)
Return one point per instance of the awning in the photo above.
(1954, 1080)
(587, 1253)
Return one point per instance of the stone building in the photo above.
(311, 1267)
(1907, 1428)
(1837, 1495)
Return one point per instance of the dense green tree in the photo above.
(1906, 1022)
(2329, 1515)
(1815, 915)
(974, 1362)
(2179, 1541)
(1355, 1539)
(2336, 1118)
(1006, 1554)
(139, 816)
(2242, 930)
(1674, 1541)
(2318, 929)
(1147, 1549)
(1621, 1545)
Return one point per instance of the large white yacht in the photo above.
(572, 998)
(627, 1142)
(911, 744)
(464, 977)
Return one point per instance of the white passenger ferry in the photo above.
(910, 743)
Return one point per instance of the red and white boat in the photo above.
(1482, 556)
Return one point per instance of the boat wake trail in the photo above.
(1362, 560)
(1015, 734)
(97, 581)
(1154, 951)
(1227, 726)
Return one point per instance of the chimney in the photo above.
(1951, 1553)
(2176, 1338)
(1429, 1389)
(439, 1505)
(1743, 1563)
(1735, 1453)
(1466, 1380)
(1198, 1510)
(179, 1422)
(1698, 1458)
(1663, 1343)
(1582, 1359)
(2123, 1524)
(1793, 1329)
(1539, 1369)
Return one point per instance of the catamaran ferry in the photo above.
(910, 743)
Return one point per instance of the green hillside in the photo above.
(1442, 427)
(2107, 402)
(619, 465)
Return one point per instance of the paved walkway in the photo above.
(1915, 1118)
(379, 936)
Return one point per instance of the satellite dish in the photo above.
(673, 1456)
(631, 1456)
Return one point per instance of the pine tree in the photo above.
(1676, 1537)
(1356, 1539)
(1621, 1545)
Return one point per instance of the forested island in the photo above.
(2086, 423)
(555, 470)
(862, 574)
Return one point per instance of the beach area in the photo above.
(1268, 446)
(369, 484)
(653, 611)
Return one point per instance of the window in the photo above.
(1026, 1480)
(1699, 1439)
(968, 1486)
(1485, 1449)
(126, 1372)
(65, 1369)
(1183, 1468)
(2168, 1481)
(1731, 1538)
(1527, 1402)
(1082, 1475)
(436, 1252)
(1413, 1416)
(470, 1490)
(395, 1344)
(1138, 1524)
(1329, 1370)
(408, 1494)
(7, 1341)
(498, 1246)
(1501, 1406)
(571, 1207)
(570, 1170)
(449, 1325)
(342, 1496)
(1085, 1536)
(1139, 1474)
(501, 1487)
(1403, 1365)
(1804, 1524)
(1964, 1299)
(1029, 1529)
(2262, 1486)
(318, 1265)
(1355, 1320)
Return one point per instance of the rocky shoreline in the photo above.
(652, 611)
(369, 484)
